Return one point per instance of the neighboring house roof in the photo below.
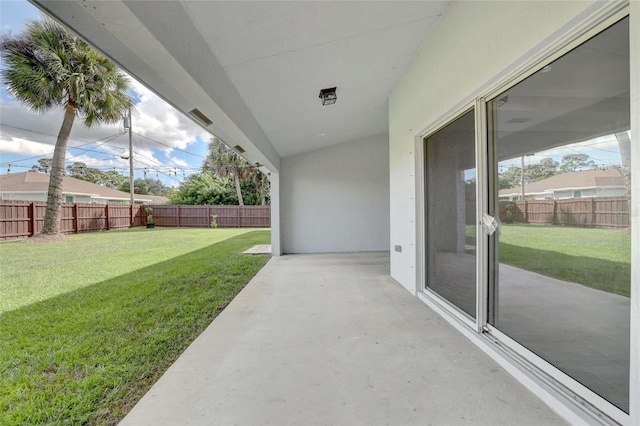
(39, 182)
(602, 178)
(156, 199)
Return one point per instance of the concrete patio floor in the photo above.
(331, 340)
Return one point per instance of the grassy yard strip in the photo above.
(87, 355)
(32, 272)
(597, 258)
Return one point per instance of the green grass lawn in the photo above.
(88, 325)
(598, 258)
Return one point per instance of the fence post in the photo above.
(593, 212)
(75, 218)
(627, 205)
(32, 213)
(239, 216)
(106, 215)
(178, 216)
(554, 218)
(130, 215)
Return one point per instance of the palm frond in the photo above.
(47, 65)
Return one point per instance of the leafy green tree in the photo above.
(48, 66)
(546, 168)
(79, 170)
(226, 163)
(43, 166)
(249, 194)
(624, 144)
(139, 186)
(113, 179)
(145, 186)
(109, 179)
(155, 187)
(510, 178)
(204, 188)
(262, 187)
(576, 162)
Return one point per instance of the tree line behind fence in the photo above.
(25, 219)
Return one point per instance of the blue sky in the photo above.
(166, 144)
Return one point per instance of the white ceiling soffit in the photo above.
(276, 56)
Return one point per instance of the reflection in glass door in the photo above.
(561, 265)
(450, 195)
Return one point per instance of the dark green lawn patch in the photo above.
(597, 258)
(88, 355)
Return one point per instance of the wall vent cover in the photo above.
(198, 115)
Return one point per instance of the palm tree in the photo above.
(261, 184)
(47, 66)
(224, 162)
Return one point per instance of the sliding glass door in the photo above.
(553, 261)
(559, 148)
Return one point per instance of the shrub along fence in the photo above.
(25, 219)
(585, 212)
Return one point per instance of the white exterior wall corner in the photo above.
(336, 199)
(472, 44)
(276, 246)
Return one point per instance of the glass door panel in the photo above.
(560, 148)
(451, 213)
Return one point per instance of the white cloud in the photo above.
(19, 122)
(178, 162)
(159, 127)
(115, 163)
(23, 146)
(603, 150)
(158, 121)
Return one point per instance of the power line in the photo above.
(160, 171)
(105, 139)
(158, 167)
(169, 146)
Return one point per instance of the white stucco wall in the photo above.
(83, 199)
(336, 199)
(26, 196)
(473, 44)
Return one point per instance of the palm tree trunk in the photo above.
(54, 196)
(236, 182)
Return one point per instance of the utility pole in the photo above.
(522, 175)
(130, 160)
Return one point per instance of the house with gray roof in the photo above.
(581, 184)
(33, 186)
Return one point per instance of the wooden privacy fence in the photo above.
(25, 219)
(200, 216)
(586, 212)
